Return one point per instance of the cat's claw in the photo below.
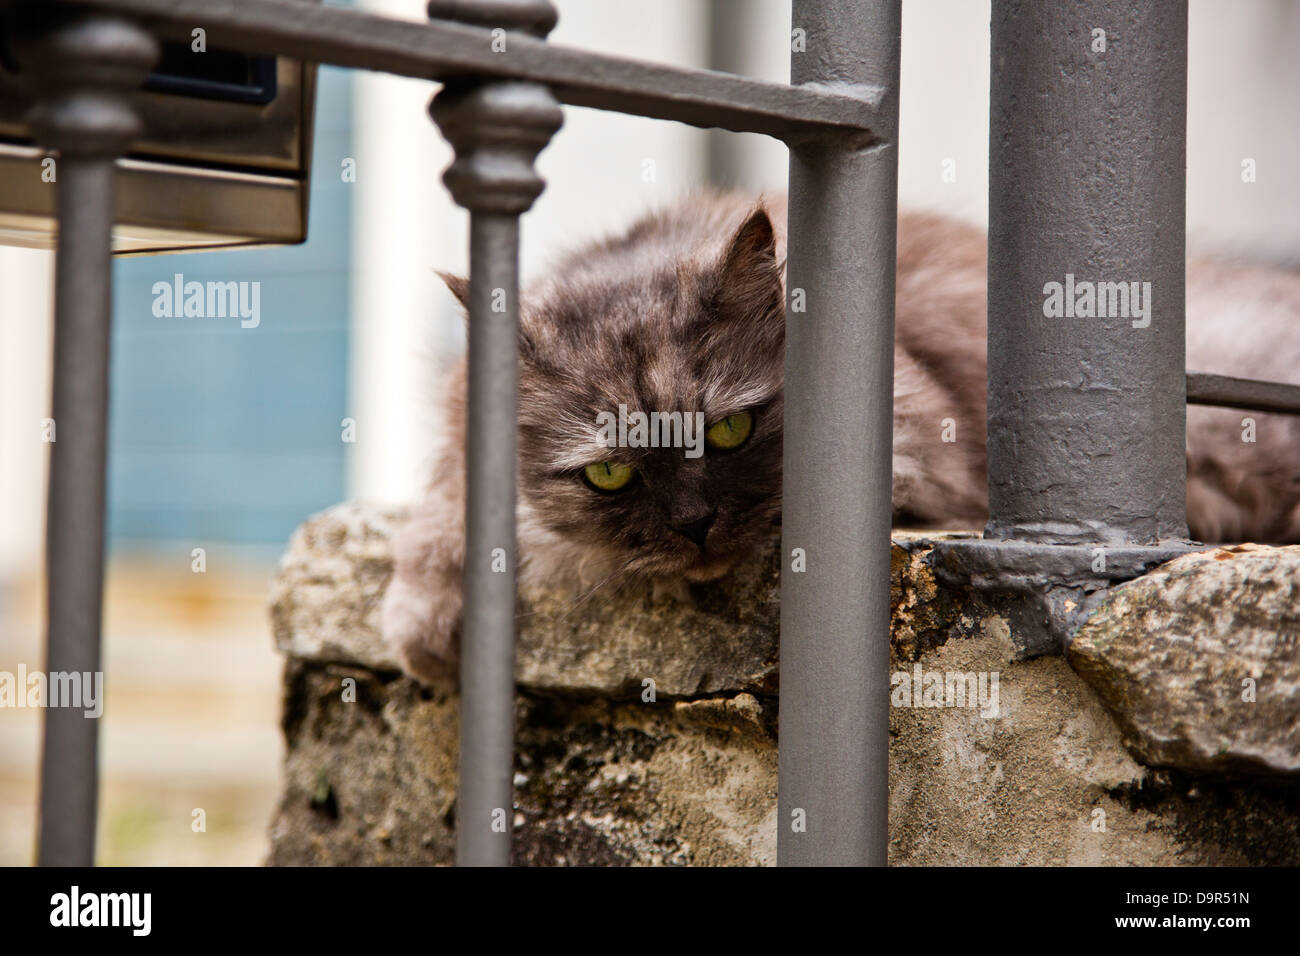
(425, 666)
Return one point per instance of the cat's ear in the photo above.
(459, 287)
(749, 277)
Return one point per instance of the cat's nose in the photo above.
(696, 529)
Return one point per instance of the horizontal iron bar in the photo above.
(1248, 393)
(439, 49)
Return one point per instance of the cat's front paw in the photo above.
(424, 642)
(427, 665)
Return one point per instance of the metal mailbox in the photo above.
(224, 160)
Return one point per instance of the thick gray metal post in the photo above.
(497, 130)
(1087, 174)
(839, 373)
(80, 65)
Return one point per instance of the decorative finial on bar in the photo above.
(81, 66)
(497, 127)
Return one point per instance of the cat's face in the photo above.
(701, 334)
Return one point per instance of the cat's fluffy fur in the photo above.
(1243, 321)
(685, 311)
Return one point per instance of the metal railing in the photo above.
(498, 112)
(1087, 414)
(839, 118)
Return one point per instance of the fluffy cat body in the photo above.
(685, 311)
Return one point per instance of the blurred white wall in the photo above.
(405, 226)
(26, 353)
(943, 108)
(601, 170)
(1243, 103)
(1243, 93)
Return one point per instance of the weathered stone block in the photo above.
(1199, 661)
(326, 598)
(604, 776)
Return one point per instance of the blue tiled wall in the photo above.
(224, 433)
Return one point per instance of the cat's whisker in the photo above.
(586, 597)
(583, 561)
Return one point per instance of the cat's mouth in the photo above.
(695, 568)
(700, 563)
(694, 564)
(708, 568)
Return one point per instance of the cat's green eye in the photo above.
(730, 432)
(608, 475)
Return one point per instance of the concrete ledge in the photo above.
(326, 597)
(604, 776)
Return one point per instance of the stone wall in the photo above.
(605, 775)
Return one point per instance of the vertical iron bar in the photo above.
(75, 522)
(485, 803)
(1087, 175)
(834, 711)
(81, 66)
(497, 128)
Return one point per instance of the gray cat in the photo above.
(685, 312)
